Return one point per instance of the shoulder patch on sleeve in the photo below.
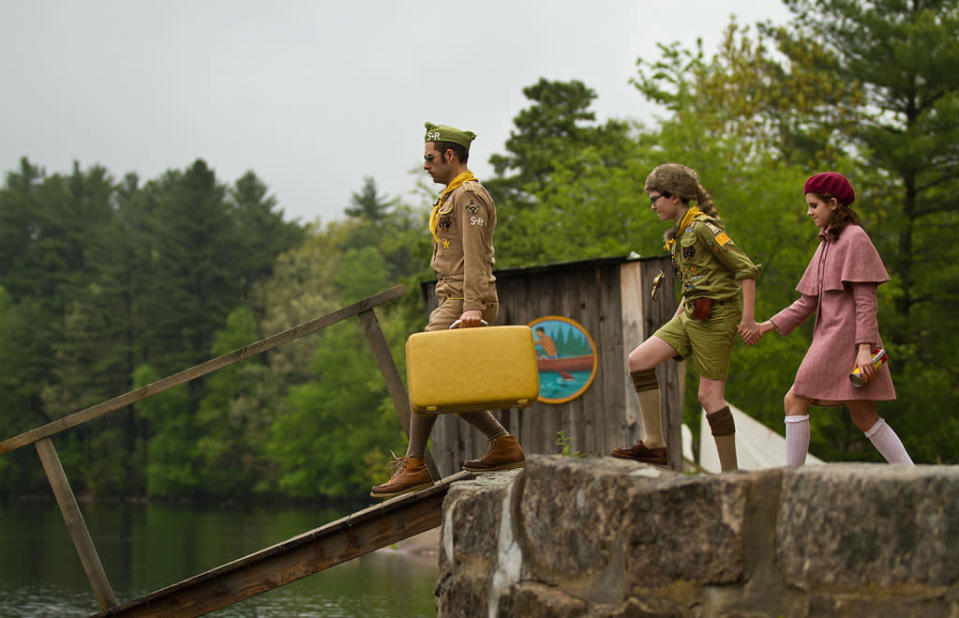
(718, 234)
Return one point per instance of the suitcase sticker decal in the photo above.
(565, 358)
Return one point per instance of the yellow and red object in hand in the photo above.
(879, 356)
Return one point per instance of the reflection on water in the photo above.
(555, 385)
(145, 548)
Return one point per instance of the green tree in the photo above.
(555, 127)
(567, 189)
(227, 431)
(368, 203)
(170, 470)
(260, 232)
(192, 288)
(338, 427)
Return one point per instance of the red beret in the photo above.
(833, 183)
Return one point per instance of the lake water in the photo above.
(147, 547)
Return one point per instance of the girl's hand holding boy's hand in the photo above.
(752, 336)
(749, 331)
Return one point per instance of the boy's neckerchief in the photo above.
(692, 212)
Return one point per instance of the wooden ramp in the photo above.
(344, 539)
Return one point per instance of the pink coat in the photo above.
(839, 286)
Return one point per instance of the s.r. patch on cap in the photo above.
(444, 133)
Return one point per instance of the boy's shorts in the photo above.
(710, 342)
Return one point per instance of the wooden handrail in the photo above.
(98, 410)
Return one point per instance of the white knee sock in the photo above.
(797, 440)
(888, 443)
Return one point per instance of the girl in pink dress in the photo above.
(839, 287)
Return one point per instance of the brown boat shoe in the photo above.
(640, 452)
(504, 454)
(411, 475)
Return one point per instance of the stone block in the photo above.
(853, 525)
(571, 514)
(469, 543)
(686, 528)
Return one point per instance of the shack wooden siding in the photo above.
(591, 293)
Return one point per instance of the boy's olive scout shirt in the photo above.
(463, 256)
(710, 265)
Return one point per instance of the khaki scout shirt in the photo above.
(463, 257)
(710, 265)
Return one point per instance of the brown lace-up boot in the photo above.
(411, 474)
(640, 452)
(504, 454)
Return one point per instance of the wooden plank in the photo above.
(347, 538)
(632, 305)
(98, 410)
(586, 308)
(394, 383)
(75, 524)
(612, 374)
(612, 358)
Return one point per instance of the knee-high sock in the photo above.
(724, 433)
(647, 391)
(485, 422)
(420, 427)
(888, 443)
(797, 439)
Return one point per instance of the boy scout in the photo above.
(713, 270)
(462, 224)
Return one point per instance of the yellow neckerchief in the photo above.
(692, 212)
(456, 182)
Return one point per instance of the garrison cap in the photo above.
(444, 133)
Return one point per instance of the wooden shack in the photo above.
(610, 298)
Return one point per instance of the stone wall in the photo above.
(608, 537)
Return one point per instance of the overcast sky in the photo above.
(313, 96)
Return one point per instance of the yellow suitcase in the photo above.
(472, 369)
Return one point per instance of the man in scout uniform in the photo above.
(462, 224)
(713, 271)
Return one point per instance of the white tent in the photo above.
(757, 446)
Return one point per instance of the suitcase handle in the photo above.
(457, 323)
